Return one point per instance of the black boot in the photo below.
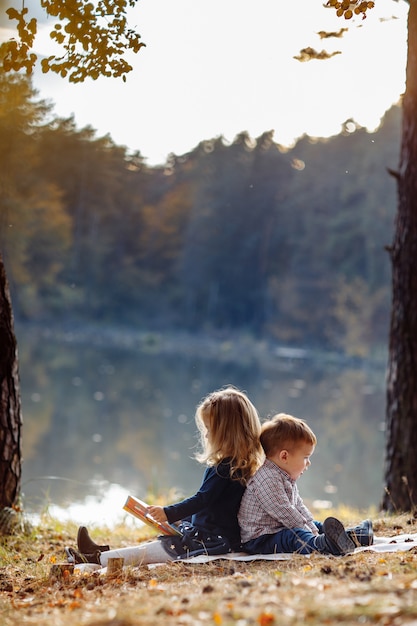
(77, 557)
(86, 545)
(334, 539)
(363, 534)
(337, 537)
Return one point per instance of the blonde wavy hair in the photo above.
(230, 428)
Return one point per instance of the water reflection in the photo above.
(103, 506)
(124, 416)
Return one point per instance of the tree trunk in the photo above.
(401, 447)
(10, 412)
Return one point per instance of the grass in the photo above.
(363, 588)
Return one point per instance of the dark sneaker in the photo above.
(77, 557)
(86, 545)
(336, 537)
(363, 534)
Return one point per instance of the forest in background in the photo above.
(240, 237)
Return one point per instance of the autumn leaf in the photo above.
(266, 619)
(74, 605)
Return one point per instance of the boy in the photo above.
(272, 515)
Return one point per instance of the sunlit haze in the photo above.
(219, 67)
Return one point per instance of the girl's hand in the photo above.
(157, 513)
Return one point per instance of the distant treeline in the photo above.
(240, 237)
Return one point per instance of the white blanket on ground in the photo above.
(398, 543)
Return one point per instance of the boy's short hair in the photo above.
(282, 432)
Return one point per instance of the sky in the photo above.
(219, 67)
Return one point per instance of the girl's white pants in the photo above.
(149, 552)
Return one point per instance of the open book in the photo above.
(138, 509)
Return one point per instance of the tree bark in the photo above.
(401, 443)
(10, 409)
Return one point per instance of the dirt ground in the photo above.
(362, 588)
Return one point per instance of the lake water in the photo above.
(107, 414)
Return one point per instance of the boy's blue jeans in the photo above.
(297, 540)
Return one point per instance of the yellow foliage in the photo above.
(94, 36)
(347, 8)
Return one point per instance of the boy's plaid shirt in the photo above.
(272, 502)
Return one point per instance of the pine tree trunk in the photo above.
(401, 447)
(10, 412)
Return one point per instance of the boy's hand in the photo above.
(157, 513)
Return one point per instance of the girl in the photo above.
(229, 428)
